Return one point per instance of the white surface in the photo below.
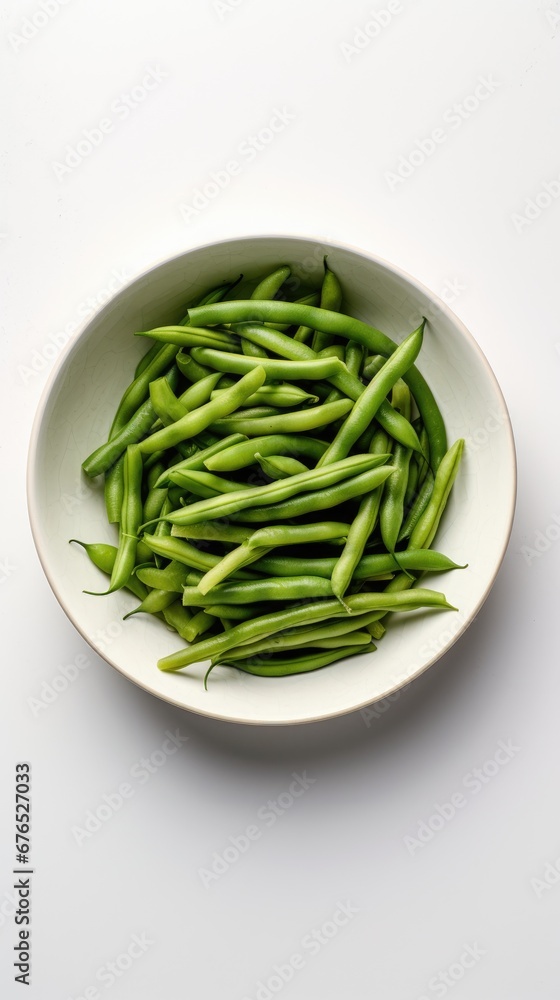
(453, 225)
(74, 415)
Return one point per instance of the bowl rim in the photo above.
(72, 345)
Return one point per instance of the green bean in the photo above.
(140, 423)
(307, 614)
(270, 285)
(346, 326)
(296, 534)
(146, 359)
(356, 637)
(154, 603)
(314, 480)
(178, 618)
(131, 517)
(137, 391)
(212, 531)
(280, 466)
(190, 336)
(229, 566)
(204, 484)
(181, 552)
(197, 461)
(292, 371)
(331, 298)
(361, 528)
(113, 490)
(190, 368)
(297, 665)
(392, 509)
(234, 612)
(306, 635)
(241, 455)
(165, 402)
(103, 557)
(425, 529)
(281, 394)
(367, 406)
(320, 499)
(173, 578)
(369, 566)
(412, 485)
(153, 504)
(198, 420)
(394, 423)
(354, 358)
(199, 624)
(215, 295)
(418, 507)
(285, 423)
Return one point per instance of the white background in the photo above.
(458, 220)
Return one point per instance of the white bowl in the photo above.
(74, 417)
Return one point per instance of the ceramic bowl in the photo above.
(74, 417)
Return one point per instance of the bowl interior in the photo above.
(75, 415)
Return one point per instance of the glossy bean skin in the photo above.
(349, 385)
(361, 528)
(321, 499)
(423, 534)
(347, 326)
(276, 369)
(139, 424)
(331, 298)
(366, 407)
(369, 566)
(308, 614)
(131, 518)
(198, 420)
(280, 466)
(103, 556)
(297, 665)
(288, 588)
(286, 423)
(197, 461)
(315, 480)
(240, 456)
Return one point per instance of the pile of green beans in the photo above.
(243, 421)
